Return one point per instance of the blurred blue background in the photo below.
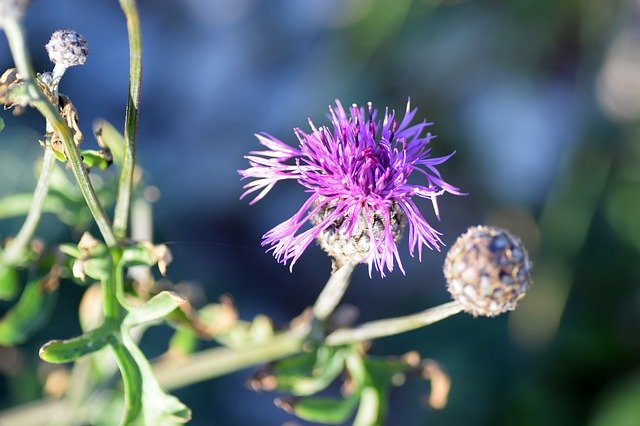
(540, 99)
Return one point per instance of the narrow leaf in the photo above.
(60, 351)
(28, 315)
(108, 136)
(372, 408)
(324, 371)
(132, 379)
(157, 405)
(158, 307)
(325, 409)
(8, 282)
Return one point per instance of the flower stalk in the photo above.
(15, 248)
(17, 44)
(123, 200)
(389, 327)
(332, 292)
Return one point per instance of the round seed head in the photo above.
(12, 9)
(487, 271)
(357, 247)
(67, 48)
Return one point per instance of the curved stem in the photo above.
(332, 292)
(121, 212)
(389, 327)
(17, 44)
(16, 246)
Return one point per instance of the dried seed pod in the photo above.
(487, 271)
(67, 48)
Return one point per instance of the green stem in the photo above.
(332, 292)
(121, 212)
(17, 245)
(391, 326)
(110, 289)
(15, 36)
(211, 363)
(207, 364)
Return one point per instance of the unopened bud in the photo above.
(67, 48)
(487, 270)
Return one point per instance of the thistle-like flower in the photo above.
(357, 175)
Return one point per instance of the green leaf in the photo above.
(373, 406)
(97, 159)
(60, 351)
(328, 364)
(154, 310)
(8, 282)
(70, 250)
(325, 409)
(1, 124)
(158, 407)
(132, 379)
(183, 342)
(109, 136)
(28, 315)
(145, 253)
(16, 205)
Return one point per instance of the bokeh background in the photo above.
(540, 99)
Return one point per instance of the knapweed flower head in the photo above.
(357, 177)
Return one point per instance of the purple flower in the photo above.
(357, 176)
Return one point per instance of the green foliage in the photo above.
(61, 351)
(325, 410)
(311, 372)
(109, 137)
(8, 281)
(29, 314)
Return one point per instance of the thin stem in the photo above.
(121, 212)
(110, 289)
(16, 246)
(17, 44)
(332, 292)
(389, 327)
(207, 364)
(211, 363)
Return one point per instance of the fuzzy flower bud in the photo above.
(12, 9)
(67, 48)
(487, 271)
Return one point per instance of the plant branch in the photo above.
(207, 364)
(391, 326)
(121, 212)
(332, 292)
(15, 248)
(15, 36)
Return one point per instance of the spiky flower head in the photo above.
(67, 48)
(12, 9)
(357, 177)
(487, 270)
